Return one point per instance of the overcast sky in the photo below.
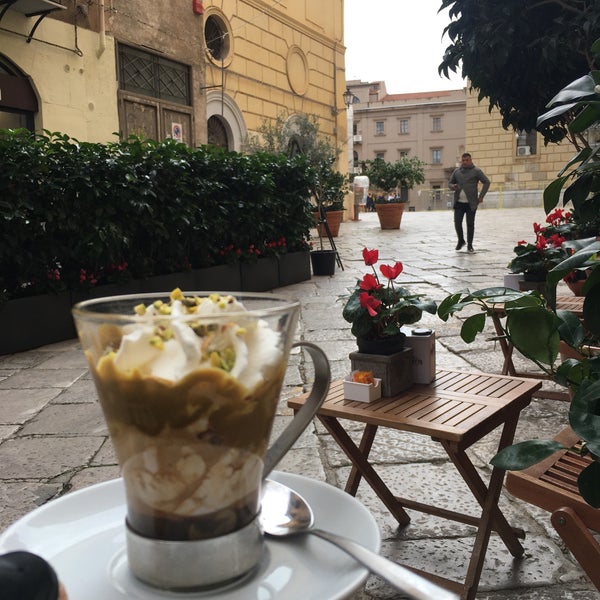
(399, 42)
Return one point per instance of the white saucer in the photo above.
(82, 535)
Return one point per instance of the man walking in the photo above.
(464, 182)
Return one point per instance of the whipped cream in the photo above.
(171, 348)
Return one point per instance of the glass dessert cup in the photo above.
(189, 386)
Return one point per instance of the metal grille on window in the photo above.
(217, 133)
(145, 73)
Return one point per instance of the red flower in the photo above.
(370, 256)
(391, 272)
(367, 301)
(369, 282)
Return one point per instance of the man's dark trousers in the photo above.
(460, 210)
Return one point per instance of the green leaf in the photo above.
(576, 90)
(589, 484)
(586, 118)
(524, 454)
(591, 314)
(570, 328)
(552, 194)
(471, 327)
(534, 332)
(584, 412)
(448, 306)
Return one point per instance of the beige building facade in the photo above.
(518, 164)
(427, 125)
(196, 71)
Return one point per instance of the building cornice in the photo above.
(412, 106)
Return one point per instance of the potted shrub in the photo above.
(378, 311)
(534, 260)
(394, 179)
(332, 189)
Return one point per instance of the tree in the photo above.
(300, 135)
(404, 173)
(517, 53)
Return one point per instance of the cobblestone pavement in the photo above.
(53, 439)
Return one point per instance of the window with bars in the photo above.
(379, 128)
(145, 73)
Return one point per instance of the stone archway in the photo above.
(18, 100)
(225, 120)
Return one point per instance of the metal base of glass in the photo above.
(195, 565)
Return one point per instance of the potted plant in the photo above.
(332, 187)
(535, 259)
(394, 179)
(377, 311)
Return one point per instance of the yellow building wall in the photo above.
(286, 60)
(77, 95)
(494, 151)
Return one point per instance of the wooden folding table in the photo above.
(458, 409)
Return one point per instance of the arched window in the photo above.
(18, 102)
(217, 132)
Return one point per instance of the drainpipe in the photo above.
(102, 32)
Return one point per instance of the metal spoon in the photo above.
(285, 512)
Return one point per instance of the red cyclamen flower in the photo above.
(369, 282)
(391, 272)
(367, 301)
(370, 256)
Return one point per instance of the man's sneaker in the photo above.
(460, 245)
(470, 249)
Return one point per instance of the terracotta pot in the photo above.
(390, 215)
(334, 219)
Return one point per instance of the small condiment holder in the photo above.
(361, 392)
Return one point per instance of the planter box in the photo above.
(35, 321)
(394, 370)
(293, 268)
(261, 276)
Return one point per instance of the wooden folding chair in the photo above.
(552, 485)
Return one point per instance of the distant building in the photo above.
(518, 163)
(428, 125)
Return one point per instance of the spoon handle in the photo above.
(402, 578)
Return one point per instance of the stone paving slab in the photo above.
(53, 439)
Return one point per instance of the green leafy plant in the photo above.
(74, 215)
(400, 175)
(517, 54)
(376, 310)
(541, 256)
(536, 332)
